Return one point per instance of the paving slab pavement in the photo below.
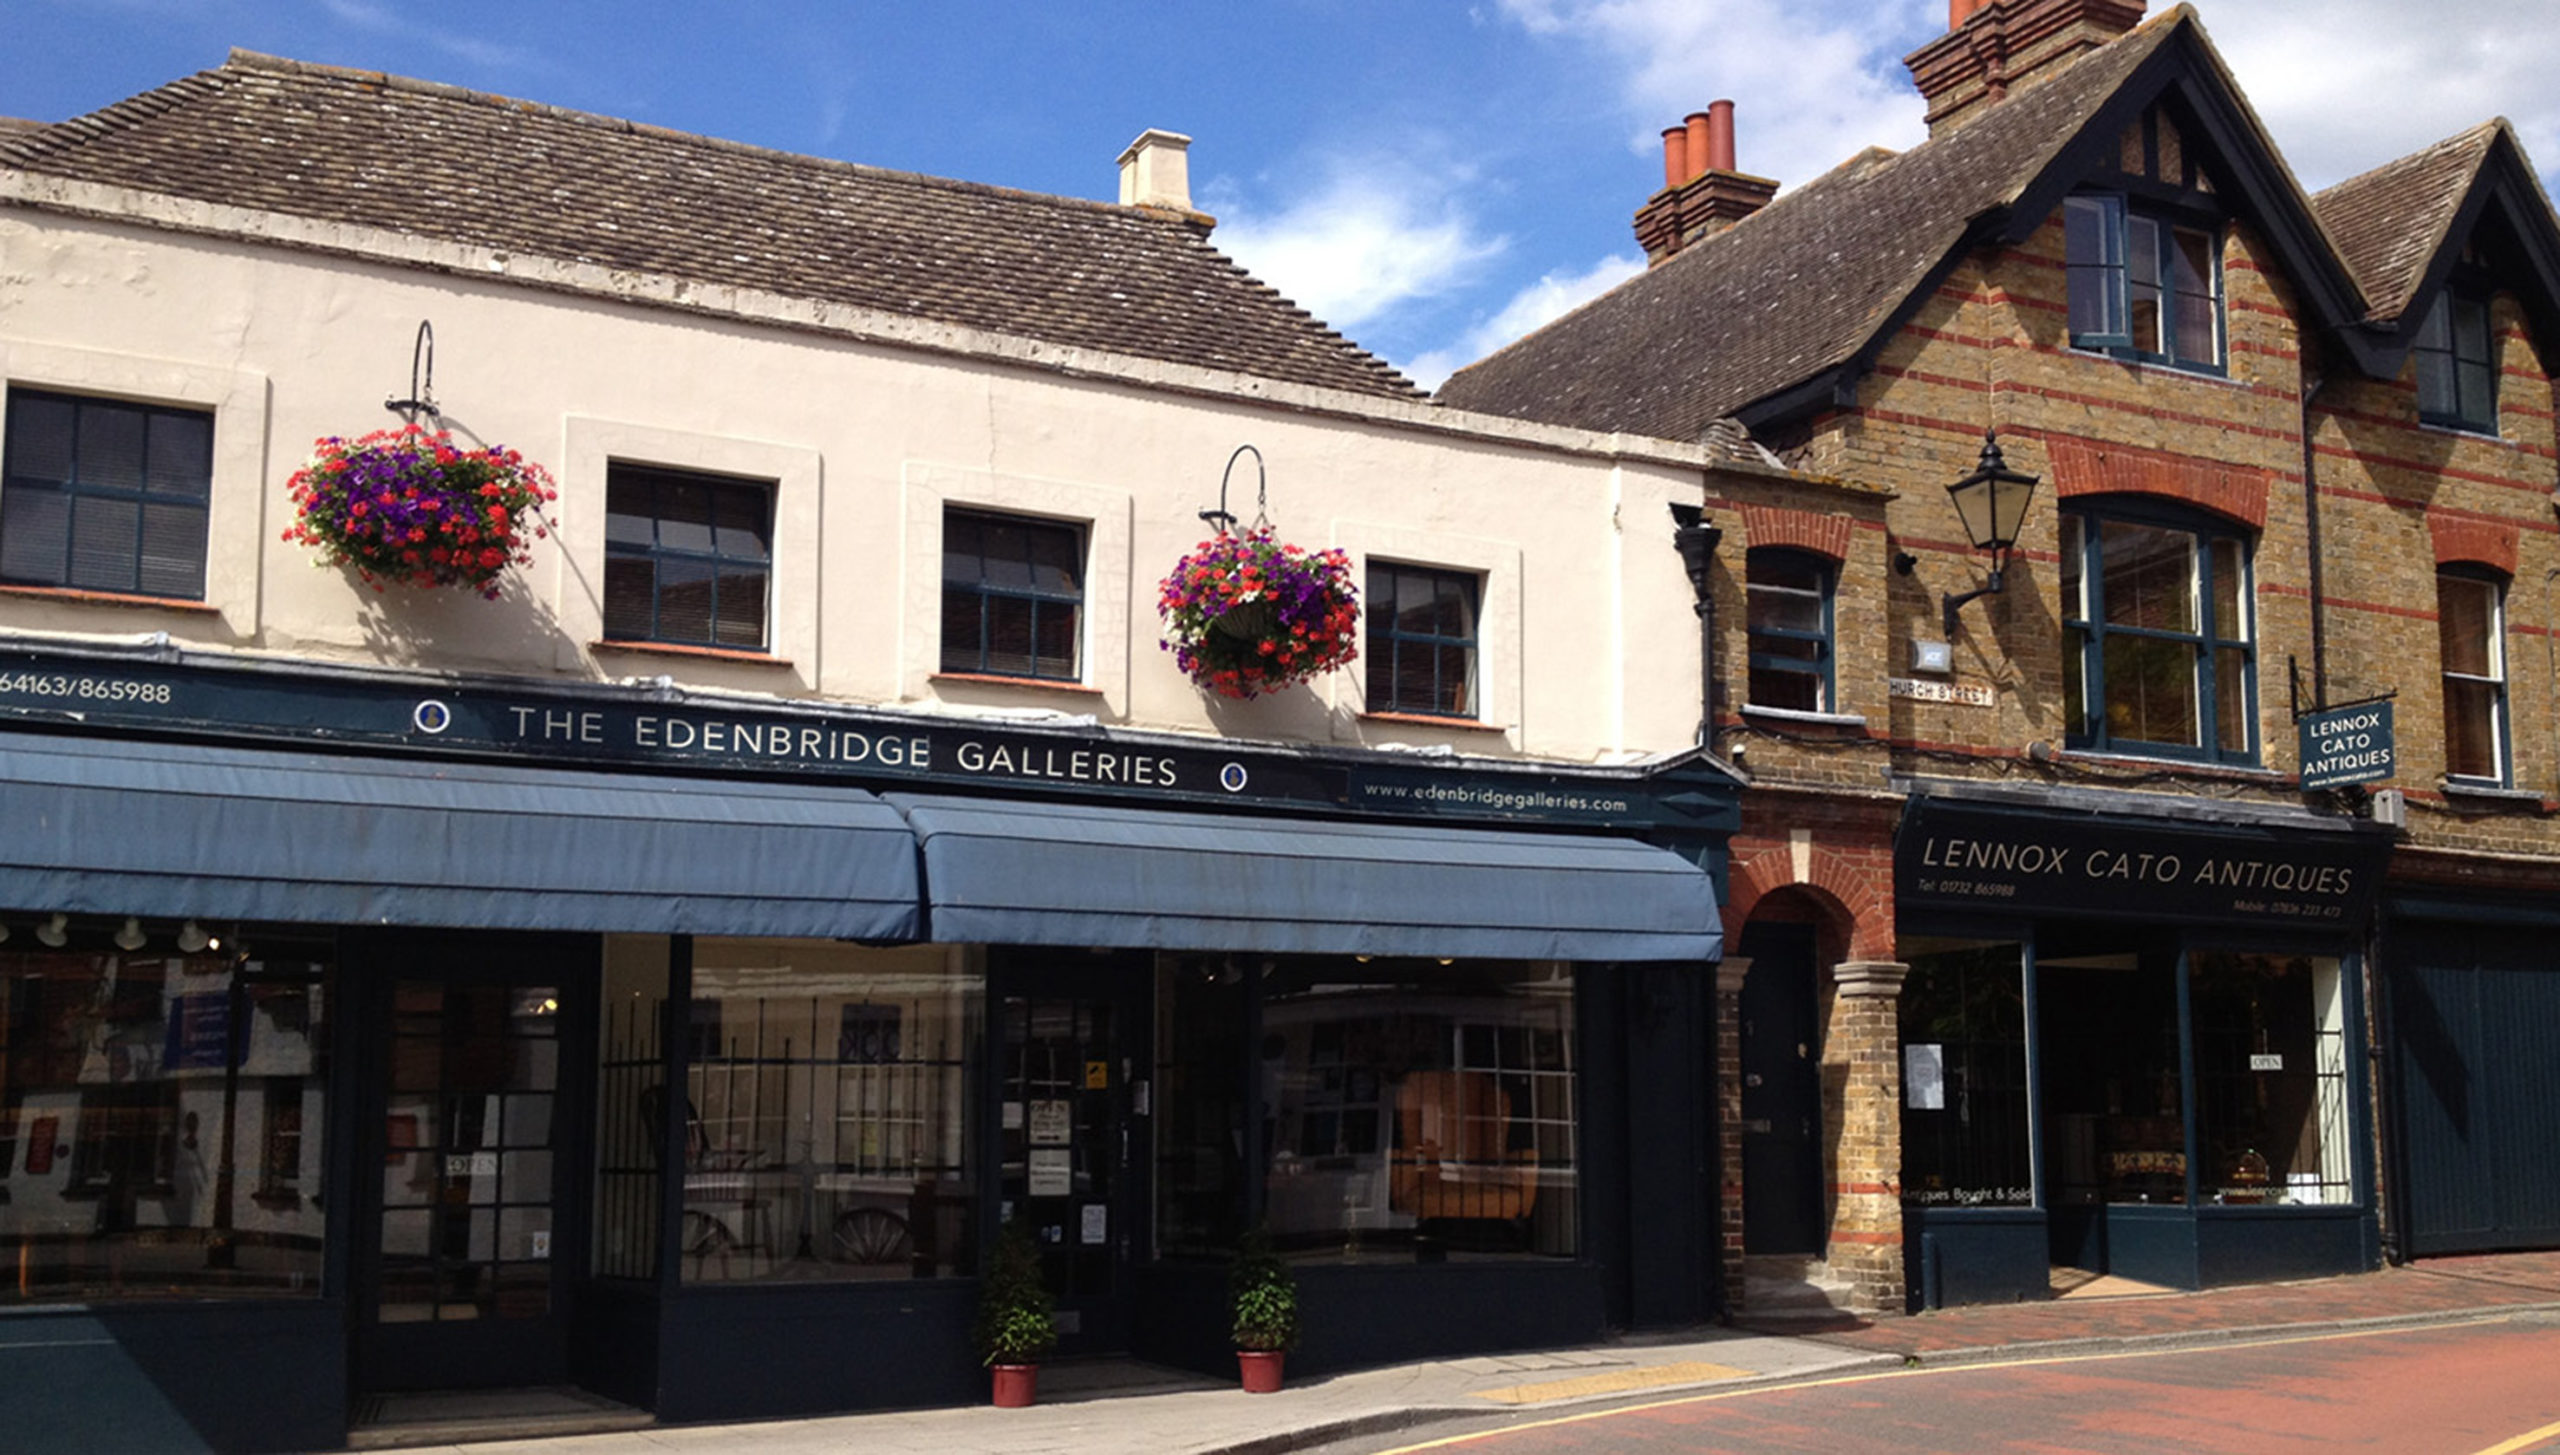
(1122, 1406)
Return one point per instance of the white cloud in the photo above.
(1548, 299)
(383, 20)
(1812, 83)
(1373, 236)
(2346, 85)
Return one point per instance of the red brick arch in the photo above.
(2085, 467)
(2469, 541)
(1855, 890)
(1824, 535)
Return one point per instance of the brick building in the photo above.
(2046, 957)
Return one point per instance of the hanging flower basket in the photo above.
(1245, 614)
(410, 507)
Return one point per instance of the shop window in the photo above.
(1012, 596)
(2115, 1108)
(826, 1111)
(1789, 596)
(2457, 370)
(2471, 638)
(101, 495)
(688, 558)
(631, 1107)
(2158, 651)
(1421, 640)
(163, 1114)
(2271, 1079)
(2142, 285)
(1200, 1113)
(1964, 1078)
(1419, 1109)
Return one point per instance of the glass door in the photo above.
(1073, 1102)
(462, 1234)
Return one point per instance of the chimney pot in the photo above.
(1675, 155)
(1155, 171)
(1720, 137)
(1698, 147)
(1960, 11)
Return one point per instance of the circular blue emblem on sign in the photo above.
(432, 716)
(1231, 778)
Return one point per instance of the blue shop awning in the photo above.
(1063, 874)
(102, 826)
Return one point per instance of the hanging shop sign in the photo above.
(2343, 745)
(655, 728)
(2023, 862)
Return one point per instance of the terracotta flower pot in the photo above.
(1261, 1369)
(1017, 1385)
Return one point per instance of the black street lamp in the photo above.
(1992, 503)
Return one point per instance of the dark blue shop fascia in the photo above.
(1058, 873)
(107, 826)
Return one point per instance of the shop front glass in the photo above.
(165, 1109)
(1965, 1139)
(825, 1111)
(1415, 1109)
(2269, 1043)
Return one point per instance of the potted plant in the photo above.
(1246, 614)
(1265, 1302)
(1015, 1323)
(412, 507)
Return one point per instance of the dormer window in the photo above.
(2142, 285)
(2457, 377)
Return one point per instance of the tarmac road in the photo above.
(2488, 1387)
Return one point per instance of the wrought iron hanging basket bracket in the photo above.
(1224, 519)
(422, 379)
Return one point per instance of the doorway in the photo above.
(1072, 1069)
(469, 1240)
(1781, 1094)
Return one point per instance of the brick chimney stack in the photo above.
(1702, 191)
(1995, 47)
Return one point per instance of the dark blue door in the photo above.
(2475, 1031)
(1781, 1094)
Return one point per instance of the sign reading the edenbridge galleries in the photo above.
(627, 726)
(2013, 862)
(2343, 745)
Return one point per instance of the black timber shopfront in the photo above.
(368, 1031)
(2132, 1040)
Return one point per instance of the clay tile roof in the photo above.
(2390, 222)
(479, 170)
(1801, 286)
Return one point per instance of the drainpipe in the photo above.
(1696, 539)
(2311, 527)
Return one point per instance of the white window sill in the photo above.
(2487, 793)
(1789, 714)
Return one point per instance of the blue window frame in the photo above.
(2457, 368)
(1012, 596)
(688, 558)
(1788, 594)
(1421, 640)
(2142, 285)
(2471, 635)
(2159, 652)
(102, 495)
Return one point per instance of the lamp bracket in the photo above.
(1954, 604)
(1263, 493)
(422, 379)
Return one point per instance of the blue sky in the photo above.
(1433, 177)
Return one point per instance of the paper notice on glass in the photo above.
(1097, 1222)
(1052, 1172)
(1049, 1124)
(1924, 1077)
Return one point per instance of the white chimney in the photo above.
(1156, 171)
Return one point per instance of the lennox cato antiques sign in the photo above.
(2343, 745)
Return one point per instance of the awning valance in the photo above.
(105, 826)
(1064, 874)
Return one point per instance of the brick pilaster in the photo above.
(1866, 1170)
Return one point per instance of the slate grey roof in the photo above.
(2390, 222)
(464, 167)
(1800, 287)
